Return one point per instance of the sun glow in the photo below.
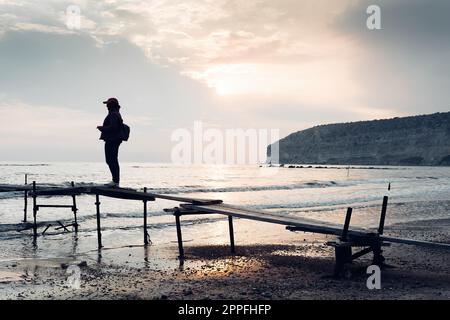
(225, 89)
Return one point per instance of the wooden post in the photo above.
(99, 232)
(35, 209)
(348, 216)
(230, 225)
(378, 258)
(25, 201)
(179, 236)
(145, 220)
(343, 255)
(74, 208)
(383, 215)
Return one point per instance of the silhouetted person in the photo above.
(112, 135)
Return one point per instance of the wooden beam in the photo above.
(67, 191)
(187, 199)
(120, 193)
(301, 224)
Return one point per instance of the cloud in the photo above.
(23, 26)
(43, 126)
(282, 64)
(70, 73)
(200, 37)
(403, 66)
(64, 133)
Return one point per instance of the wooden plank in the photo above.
(13, 187)
(55, 206)
(64, 191)
(303, 224)
(419, 243)
(309, 225)
(132, 194)
(187, 199)
(120, 193)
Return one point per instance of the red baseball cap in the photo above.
(112, 101)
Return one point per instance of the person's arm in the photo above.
(114, 124)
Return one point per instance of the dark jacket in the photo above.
(112, 127)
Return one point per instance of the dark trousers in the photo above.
(111, 156)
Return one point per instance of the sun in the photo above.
(223, 90)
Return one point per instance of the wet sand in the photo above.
(298, 266)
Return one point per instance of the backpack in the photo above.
(125, 132)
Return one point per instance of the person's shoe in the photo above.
(112, 184)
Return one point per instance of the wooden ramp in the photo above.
(112, 192)
(303, 224)
(367, 241)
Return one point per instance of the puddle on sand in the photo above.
(8, 276)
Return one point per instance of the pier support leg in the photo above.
(146, 235)
(348, 217)
(35, 209)
(343, 255)
(74, 208)
(99, 232)
(343, 251)
(378, 258)
(383, 215)
(230, 226)
(25, 201)
(179, 236)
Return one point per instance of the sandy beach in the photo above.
(282, 265)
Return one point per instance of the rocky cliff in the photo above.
(416, 140)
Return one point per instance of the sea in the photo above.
(313, 191)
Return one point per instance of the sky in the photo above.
(259, 64)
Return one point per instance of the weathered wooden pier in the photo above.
(346, 238)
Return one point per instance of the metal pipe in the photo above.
(230, 225)
(179, 236)
(74, 208)
(25, 201)
(145, 220)
(348, 217)
(383, 215)
(35, 209)
(99, 232)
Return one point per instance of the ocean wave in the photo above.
(304, 185)
(24, 164)
(11, 195)
(199, 189)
